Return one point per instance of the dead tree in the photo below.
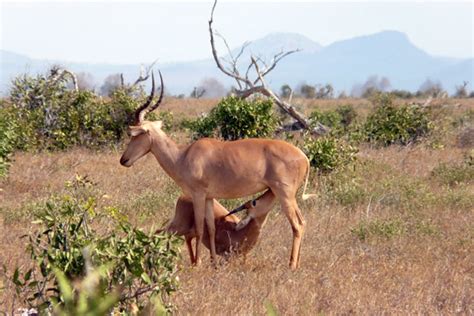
(247, 86)
(144, 75)
(58, 74)
(197, 92)
(461, 90)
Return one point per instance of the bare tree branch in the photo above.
(275, 61)
(291, 95)
(144, 73)
(242, 49)
(249, 67)
(233, 62)
(73, 78)
(216, 57)
(251, 86)
(122, 80)
(59, 73)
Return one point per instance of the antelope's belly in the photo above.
(234, 189)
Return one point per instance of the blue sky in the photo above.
(134, 32)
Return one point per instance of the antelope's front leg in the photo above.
(199, 204)
(211, 228)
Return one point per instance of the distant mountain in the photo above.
(343, 64)
(274, 43)
(387, 53)
(454, 74)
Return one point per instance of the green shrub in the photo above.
(328, 153)
(459, 198)
(378, 228)
(390, 228)
(330, 119)
(466, 119)
(344, 187)
(389, 124)
(87, 297)
(204, 126)
(8, 139)
(454, 173)
(53, 117)
(427, 228)
(402, 94)
(338, 120)
(347, 113)
(234, 118)
(142, 264)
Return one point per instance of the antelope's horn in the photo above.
(153, 107)
(142, 110)
(238, 209)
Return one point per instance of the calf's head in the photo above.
(257, 209)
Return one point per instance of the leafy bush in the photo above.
(390, 228)
(142, 264)
(402, 94)
(8, 139)
(330, 119)
(347, 113)
(459, 198)
(344, 187)
(204, 126)
(53, 117)
(466, 119)
(454, 173)
(338, 120)
(389, 124)
(329, 153)
(234, 118)
(89, 297)
(342, 116)
(386, 229)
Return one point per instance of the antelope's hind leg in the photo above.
(293, 213)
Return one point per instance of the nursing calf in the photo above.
(231, 235)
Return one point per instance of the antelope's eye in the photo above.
(254, 203)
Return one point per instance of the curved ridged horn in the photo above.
(141, 111)
(153, 107)
(238, 209)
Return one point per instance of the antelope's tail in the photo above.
(305, 196)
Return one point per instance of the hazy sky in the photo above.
(133, 32)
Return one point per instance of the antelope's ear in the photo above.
(157, 124)
(137, 130)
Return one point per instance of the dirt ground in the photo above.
(383, 237)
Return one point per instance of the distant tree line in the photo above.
(374, 85)
(212, 88)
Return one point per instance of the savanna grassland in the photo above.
(391, 233)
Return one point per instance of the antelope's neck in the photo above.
(168, 154)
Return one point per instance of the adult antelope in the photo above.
(229, 240)
(209, 168)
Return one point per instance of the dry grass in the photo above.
(391, 239)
